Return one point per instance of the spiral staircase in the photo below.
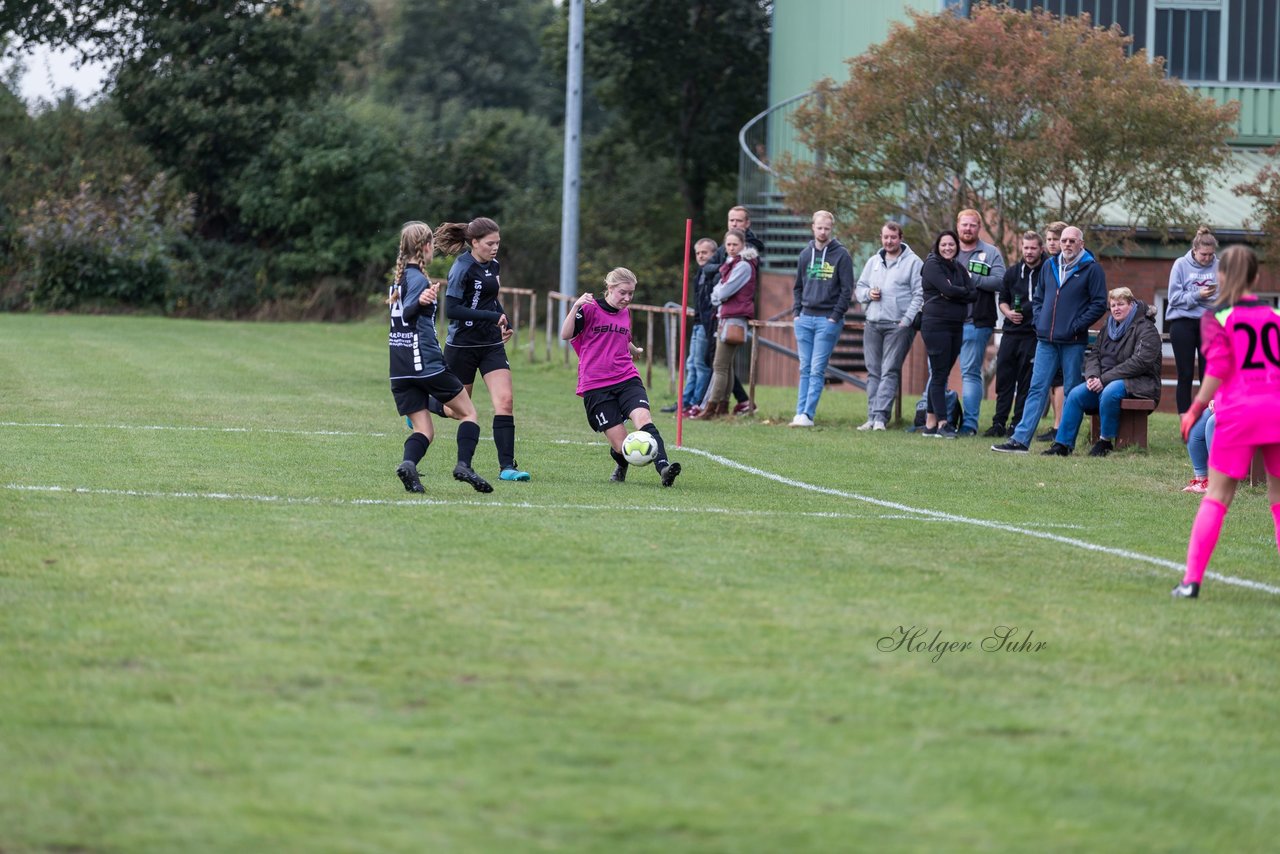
(760, 141)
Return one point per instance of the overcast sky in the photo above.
(48, 74)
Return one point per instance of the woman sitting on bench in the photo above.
(1124, 363)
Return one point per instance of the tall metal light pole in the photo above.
(572, 154)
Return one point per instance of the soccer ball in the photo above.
(639, 448)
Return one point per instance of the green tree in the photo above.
(75, 166)
(1026, 117)
(482, 54)
(499, 163)
(1264, 190)
(103, 249)
(682, 77)
(65, 22)
(208, 89)
(320, 191)
(632, 216)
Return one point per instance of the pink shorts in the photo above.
(1234, 460)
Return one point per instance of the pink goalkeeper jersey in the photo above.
(1241, 347)
(603, 346)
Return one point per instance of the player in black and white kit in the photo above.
(478, 327)
(418, 370)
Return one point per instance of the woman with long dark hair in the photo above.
(948, 290)
(478, 327)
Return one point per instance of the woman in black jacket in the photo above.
(947, 292)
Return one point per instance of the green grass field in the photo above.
(224, 626)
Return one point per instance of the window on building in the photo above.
(1202, 41)
(1131, 15)
(1189, 40)
(1253, 41)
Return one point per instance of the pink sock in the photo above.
(1275, 512)
(1204, 536)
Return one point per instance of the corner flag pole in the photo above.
(684, 321)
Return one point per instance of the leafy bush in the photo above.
(217, 279)
(98, 250)
(322, 190)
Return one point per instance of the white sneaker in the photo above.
(867, 425)
(879, 425)
(801, 420)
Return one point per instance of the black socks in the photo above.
(415, 447)
(504, 437)
(468, 437)
(652, 429)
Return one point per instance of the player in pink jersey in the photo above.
(608, 382)
(1241, 344)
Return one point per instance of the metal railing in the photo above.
(760, 142)
(762, 138)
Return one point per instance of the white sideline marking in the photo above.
(55, 426)
(475, 502)
(438, 502)
(929, 515)
(981, 523)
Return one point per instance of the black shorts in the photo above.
(610, 406)
(465, 361)
(411, 394)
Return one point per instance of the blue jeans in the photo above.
(697, 373)
(1049, 357)
(972, 353)
(1199, 441)
(884, 347)
(815, 339)
(1106, 403)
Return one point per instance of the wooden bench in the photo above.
(1133, 422)
(1257, 470)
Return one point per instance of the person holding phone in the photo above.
(1193, 287)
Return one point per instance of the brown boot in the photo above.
(714, 409)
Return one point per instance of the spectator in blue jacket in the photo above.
(1071, 297)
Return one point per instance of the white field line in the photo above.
(54, 426)
(436, 502)
(933, 515)
(474, 502)
(981, 523)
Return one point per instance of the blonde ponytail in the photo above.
(415, 248)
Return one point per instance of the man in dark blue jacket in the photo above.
(1071, 296)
